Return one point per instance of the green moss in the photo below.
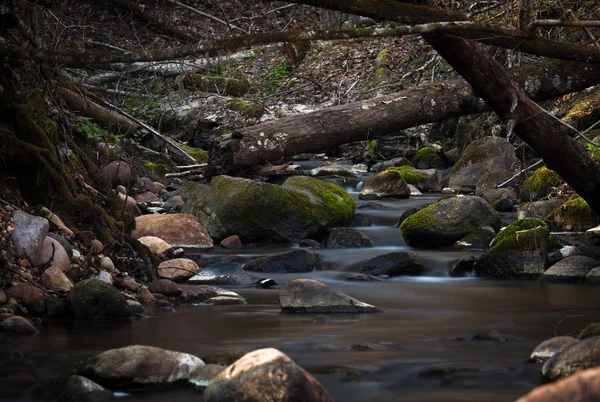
(516, 226)
(410, 175)
(421, 220)
(279, 73)
(573, 215)
(473, 153)
(381, 70)
(158, 168)
(539, 184)
(498, 203)
(586, 111)
(247, 110)
(371, 147)
(425, 153)
(222, 85)
(200, 155)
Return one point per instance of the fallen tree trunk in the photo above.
(364, 120)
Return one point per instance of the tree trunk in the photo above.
(358, 121)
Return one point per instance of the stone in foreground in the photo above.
(581, 387)
(550, 347)
(72, 388)
(92, 298)
(138, 365)
(577, 357)
(265, 375)
(310, 296)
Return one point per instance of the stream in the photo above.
(421, 347)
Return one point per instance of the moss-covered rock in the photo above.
(396, 162)
(480, 157)
(423, 179)
(387, 184)
(538, 209)
(518, 251)
(221, 85)
(425, 153)
(539, 184)
(268, 212)
(586, 111)
(247, 109)
(93, 298)
(574, 215)
(447, 221)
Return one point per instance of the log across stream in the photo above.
(419, 348)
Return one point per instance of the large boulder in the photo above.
(423, 179)
(537, 209)
(394, 264)
(572, 269)
(575, 215)
(577, 357)
(138, 366)
(93, 298)
(179, 230)
(488, 154)
(227, 273)
(518, 251)
(447, 221)
(387, 184)
(257, 211)
(178, 269)
(581, 387)
(291, 261)
(265, 375)
(539, 184)
(310, 296)
(29, 234)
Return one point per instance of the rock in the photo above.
(63, 242)
(414, 191)
(155, 244)
(501, 199)
(539, 184)
(174, 204)
(224, 301)
(130, 205)
(265, 375)
(288, 262)
(262, 211)
(334, 170)
(205, 292)
(92, 298)
(145, 296)
(394, 264)
(550, 347)
(479, 239)
(396, 162)
(138, 366)
(387, 184)
(577, 357)
(265, 283)
(136, 307)
(53, 253)
(72, 388)
(569, 270)
(228, 273)
(447, 221)
(107, 265)
(53, 278)
(518, 251)
(17, 325)
(96, 246)
(574, 215)
(347, 238)
(29, 296)
(131, 285)
(310, 296)
(29, 234)
(179, 230)
(232, 242)
(589, 331)
(488, 154)
(178, 269)
(117, 173)
(464, 267)
(489, 335)
(563, 252)
(581, 387)
(423, 179)
(165, 287)
(203, 375)
(363, 278)
(309, 243)
(537, 209)
(146, 197)
(593, 277)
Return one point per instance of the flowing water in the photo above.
(421, 346)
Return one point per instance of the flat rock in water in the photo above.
(335, 170)
(580, 387)
(394, 264)
(550, 347)
(205, 292)
(228, 273)
(138, 365)
(310, 296)
(347, 238)
(291, 261)
(569, 270)
(265, 375)
(225, 301)
(577, 357)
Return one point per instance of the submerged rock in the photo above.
(291, 261)
(581, 387)
(95, 299)
(577, 357)
(138, 365)
(310, 296)
(227, 273)
(447, 221)
(387, 184)
(394, 264)
(265, 375)
(550, 347)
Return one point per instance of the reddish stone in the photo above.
(53, 278)
(155, 244)
(165, 287)
(178, 269)
(232, 242)
(117, 173)
(580, 387)
(53, 253)
(176, 229)
(147, 196)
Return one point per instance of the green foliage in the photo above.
(371, 147)
(200, 155)
(89, 129)
(594, 151)
(279, 73)
(157, 168)
(248, 110)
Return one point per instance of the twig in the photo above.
(586, 30)
(212, 17)
(183, 174)
(187, 167)
(561, 23)
(520, 173)
(107, 45)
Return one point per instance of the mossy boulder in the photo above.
(427, 158)
(538, 209)
(396, 162)
(574, 215)
(423, 179)
(388, 184)
(488, 154)
(518, 251)
(93, 298)
(539, 184)
(447, 221)
(258, 211)
(586, 111)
